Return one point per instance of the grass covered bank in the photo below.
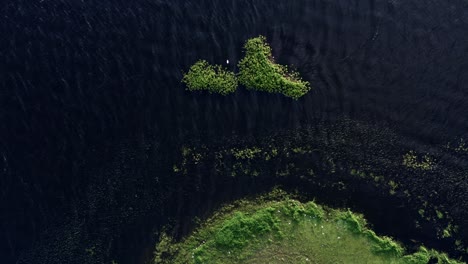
(329, 163)
(277, 229)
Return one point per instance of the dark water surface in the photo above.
(92, 111)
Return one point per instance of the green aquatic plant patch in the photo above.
(411, 160)
(215, 79)
(258, 71)
(288, 231)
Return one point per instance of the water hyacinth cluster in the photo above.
(215, 79)
(257, 71)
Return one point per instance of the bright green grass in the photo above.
(259, 72)
(287, 231)
(215, 79)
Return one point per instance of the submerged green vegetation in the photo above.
(215, 79)
(287, 231)
(258, 71)
(411, 160)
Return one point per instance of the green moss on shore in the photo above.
(287, 231)
(215, 79)
(259, 72)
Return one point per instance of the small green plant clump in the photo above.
(247, 153)
(259, 72)
(215, 79)
(410, 160)
(288, 231)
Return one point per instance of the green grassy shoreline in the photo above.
(278, 229)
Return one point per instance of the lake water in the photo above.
(92, 110)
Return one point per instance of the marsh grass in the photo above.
(288, 231)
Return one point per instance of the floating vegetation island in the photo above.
(215, 79)
(257, 71)
(288, 231)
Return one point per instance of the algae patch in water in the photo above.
(287, 231)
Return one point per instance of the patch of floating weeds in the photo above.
(448, 231)
(284, 230)
(214, 79)
(359, 173)
(411, 160)
(421, 212)
(393, 186)
(258, 71)
(440, 215)
(247, 153)
(461, 146)
(274, 152)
